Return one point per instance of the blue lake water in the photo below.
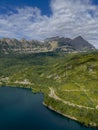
(20, 109)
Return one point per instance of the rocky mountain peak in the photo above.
(50, 44)
(79, 38)
(80, 44)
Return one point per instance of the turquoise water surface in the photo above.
(20, 109)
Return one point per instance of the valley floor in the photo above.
(69, 82)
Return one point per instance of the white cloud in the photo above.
(69, 18)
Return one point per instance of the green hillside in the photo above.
(69, 81)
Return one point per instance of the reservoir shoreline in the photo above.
(50, 107)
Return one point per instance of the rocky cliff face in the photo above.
(23, 46)
(55, 43)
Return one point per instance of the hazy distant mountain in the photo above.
(8, 45)
(81, 44)
(70, 45)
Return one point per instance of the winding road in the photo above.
(53, 95)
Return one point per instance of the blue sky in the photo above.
(95, 2)
(39, 19)
(12, 4)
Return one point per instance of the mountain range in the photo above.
(77, 44)
(68, 81)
